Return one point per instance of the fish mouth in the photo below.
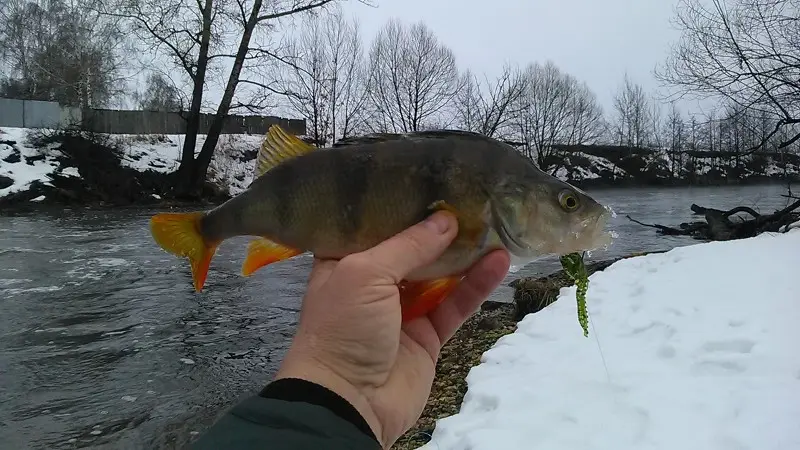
(596, 235)
(588, 235)
(600, 221)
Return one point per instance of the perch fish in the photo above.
(344, 199)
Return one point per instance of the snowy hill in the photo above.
(22, 164)
(600, 164)
(691, 349)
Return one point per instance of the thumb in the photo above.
(414, 247)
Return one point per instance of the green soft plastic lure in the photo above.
(575, 268)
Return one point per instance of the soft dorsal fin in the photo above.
(278, 146)
(374, 138)
(370, 138)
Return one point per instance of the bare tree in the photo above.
(159, 94)
(413, 79)
(676, 137)
(587, 123)
(349, 84)
(554, 109)
(196, 35)
(305, 80)
(632, 114)
(742, 51)
(655, 125)
(326, 79)
(468, 103)
(487, 107)
(543, 111)
(59, 50)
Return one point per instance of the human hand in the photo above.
(350, 339)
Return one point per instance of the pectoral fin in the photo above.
(418, 298)
(471, 229)
(262, 252)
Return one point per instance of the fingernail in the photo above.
(438, 223)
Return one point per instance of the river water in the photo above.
(104, 344)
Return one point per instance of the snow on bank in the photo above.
(230, 166)
(23, 163)
(699, 345)
(790, 226)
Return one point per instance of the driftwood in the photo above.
(721, 225)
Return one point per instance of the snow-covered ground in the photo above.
(161, 153)
(24, 164)
(790, 226)
(693, 349)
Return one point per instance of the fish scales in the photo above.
(349, 197)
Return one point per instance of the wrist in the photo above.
(311, 370)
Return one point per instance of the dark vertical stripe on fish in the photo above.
(237, 219)
(281, 181)
(494, 160)
(351, 174)
(435, 186)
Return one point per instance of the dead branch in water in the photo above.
(665, 230)
(719, 225)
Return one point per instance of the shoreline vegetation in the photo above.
(103, 180)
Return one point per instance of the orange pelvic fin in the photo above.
(178, 233)
(418, 298)
(262, 252)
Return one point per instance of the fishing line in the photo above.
(600, 349)
(594, 328)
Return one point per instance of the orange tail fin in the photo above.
(178, 234)
(418, 298)
(262, 252)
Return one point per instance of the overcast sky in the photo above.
(594, 40)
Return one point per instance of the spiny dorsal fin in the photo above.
(278, 146)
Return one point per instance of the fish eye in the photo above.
(568, 200)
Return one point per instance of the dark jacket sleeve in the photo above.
(290, 414)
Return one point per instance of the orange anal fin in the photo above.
(262, 252)
(418, 298)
